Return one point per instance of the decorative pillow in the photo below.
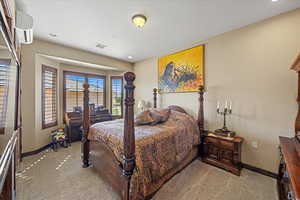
(177, 108)
(156, 116)
(143, 118)
(160, 115)
(165, 113)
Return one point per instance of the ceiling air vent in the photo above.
(101, 46)
(24, 25)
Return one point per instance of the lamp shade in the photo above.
(141, 104)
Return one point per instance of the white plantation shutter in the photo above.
(4, 83)
(116, 95)
(73, 91)
(49, 96)
(96, 90)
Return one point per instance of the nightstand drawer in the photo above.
(212, 140)
(227, 145)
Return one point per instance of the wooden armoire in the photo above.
(10, 108)
(289, 168)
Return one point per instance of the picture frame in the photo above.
(182, 71)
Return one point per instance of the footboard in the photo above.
(106, 164)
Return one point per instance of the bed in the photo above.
(137, 160)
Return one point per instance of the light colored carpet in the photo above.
(59, 176)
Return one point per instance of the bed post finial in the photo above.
(86, 126)
(201, 111)
(155, 97)
(129, 139)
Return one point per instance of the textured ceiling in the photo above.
(172, 24)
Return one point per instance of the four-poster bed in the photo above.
(137, 160)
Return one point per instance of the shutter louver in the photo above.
(49, 95)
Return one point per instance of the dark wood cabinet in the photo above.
(224, 152)
(288, 181)
(74, 123)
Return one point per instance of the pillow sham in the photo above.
(143, 118)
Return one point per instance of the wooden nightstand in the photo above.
(224, 152)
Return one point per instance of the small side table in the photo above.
(223, 152)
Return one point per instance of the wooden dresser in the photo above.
(288, 181)
(224, 152)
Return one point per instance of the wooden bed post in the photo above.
(155, 98)
(201, 111)
(129, 139)
(86, 126)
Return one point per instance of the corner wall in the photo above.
(249, 66)
(34, 136)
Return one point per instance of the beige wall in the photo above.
(250, 66)
(34, 136)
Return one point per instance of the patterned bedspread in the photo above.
(159, 148)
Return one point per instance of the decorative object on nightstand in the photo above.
(227, 111)
(224, 152)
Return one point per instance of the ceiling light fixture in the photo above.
(130, 57)
(274, 0)
(139, 20)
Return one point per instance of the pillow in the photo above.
(156, 116)
(143, 118)
(165, 113)
(177, 108)
(160, 115)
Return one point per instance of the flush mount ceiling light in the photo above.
(139, 20)
(130, 57)
(274, 0)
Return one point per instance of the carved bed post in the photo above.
(129, 139)
(201, 111)
(86, 126)
(155, 98)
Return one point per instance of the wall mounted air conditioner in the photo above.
(24, 27)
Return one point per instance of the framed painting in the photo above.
(182, 71)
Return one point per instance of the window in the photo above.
(49, 96)
(4, 82)
(73, 90)
(116, 101)
(97, 90)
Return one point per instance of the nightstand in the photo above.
(223, 152)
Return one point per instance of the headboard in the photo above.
(200, 119)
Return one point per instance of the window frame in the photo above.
(86, 76)
(122, 94)
(52, 124)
